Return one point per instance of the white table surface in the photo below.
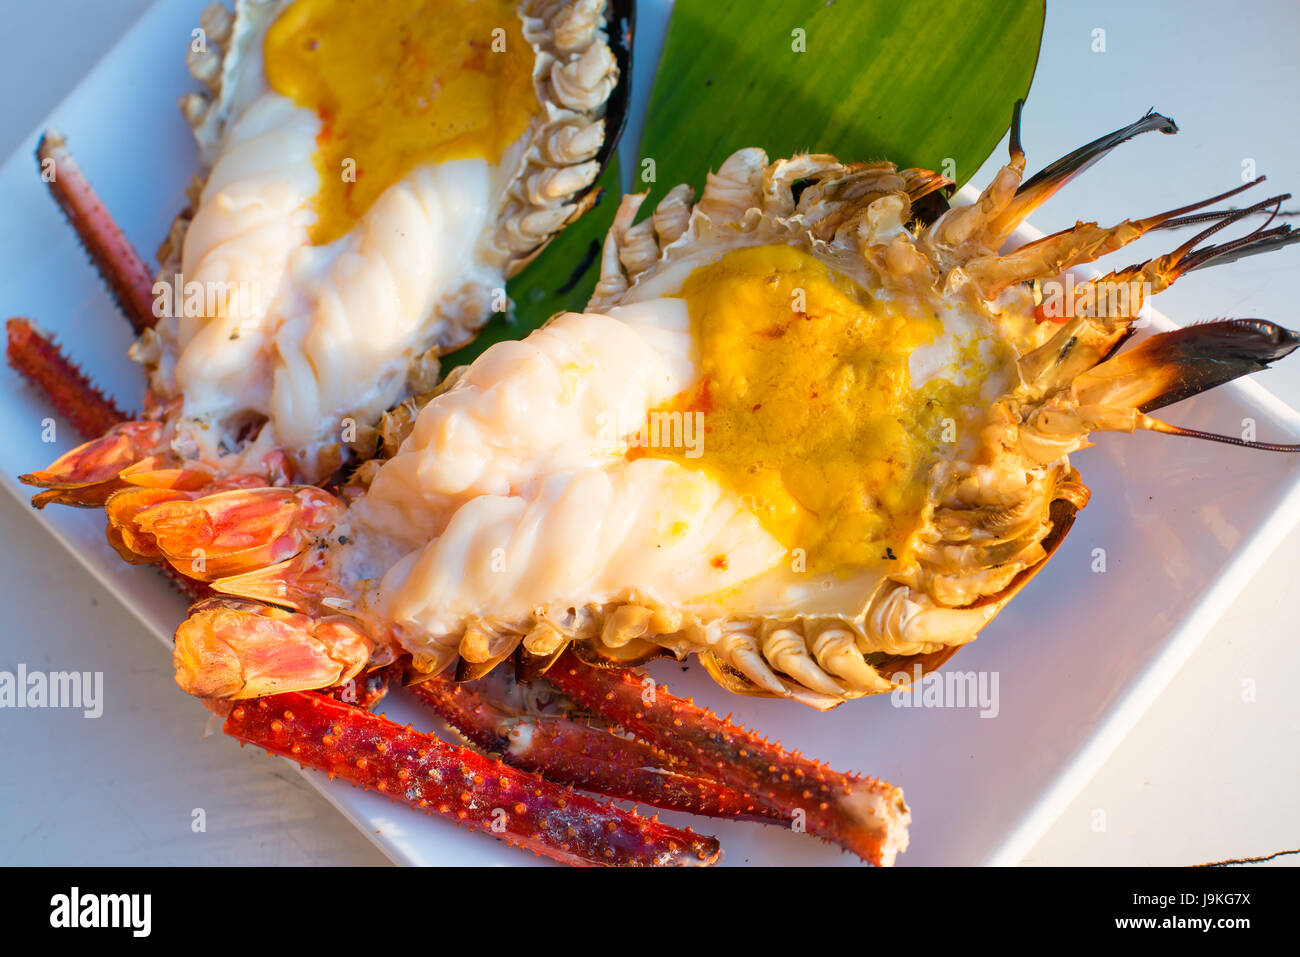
(1205, 775)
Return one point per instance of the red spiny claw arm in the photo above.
(122, 269)
(38, 360)
(569, 751)
(863, 815)
(431, 775)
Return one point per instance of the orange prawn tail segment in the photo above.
(87, 475)
(269, 549)
(233, 649)
(230, 533)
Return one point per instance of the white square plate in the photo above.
(1079, 655)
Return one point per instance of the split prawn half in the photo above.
(370, 178)
(881, 459)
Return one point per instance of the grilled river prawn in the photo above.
(326, 587)
(885, 463)
(350, 225)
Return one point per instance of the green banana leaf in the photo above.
(921, 82)
(927, 83)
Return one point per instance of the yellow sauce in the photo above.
(397, 85)
(808, 408)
